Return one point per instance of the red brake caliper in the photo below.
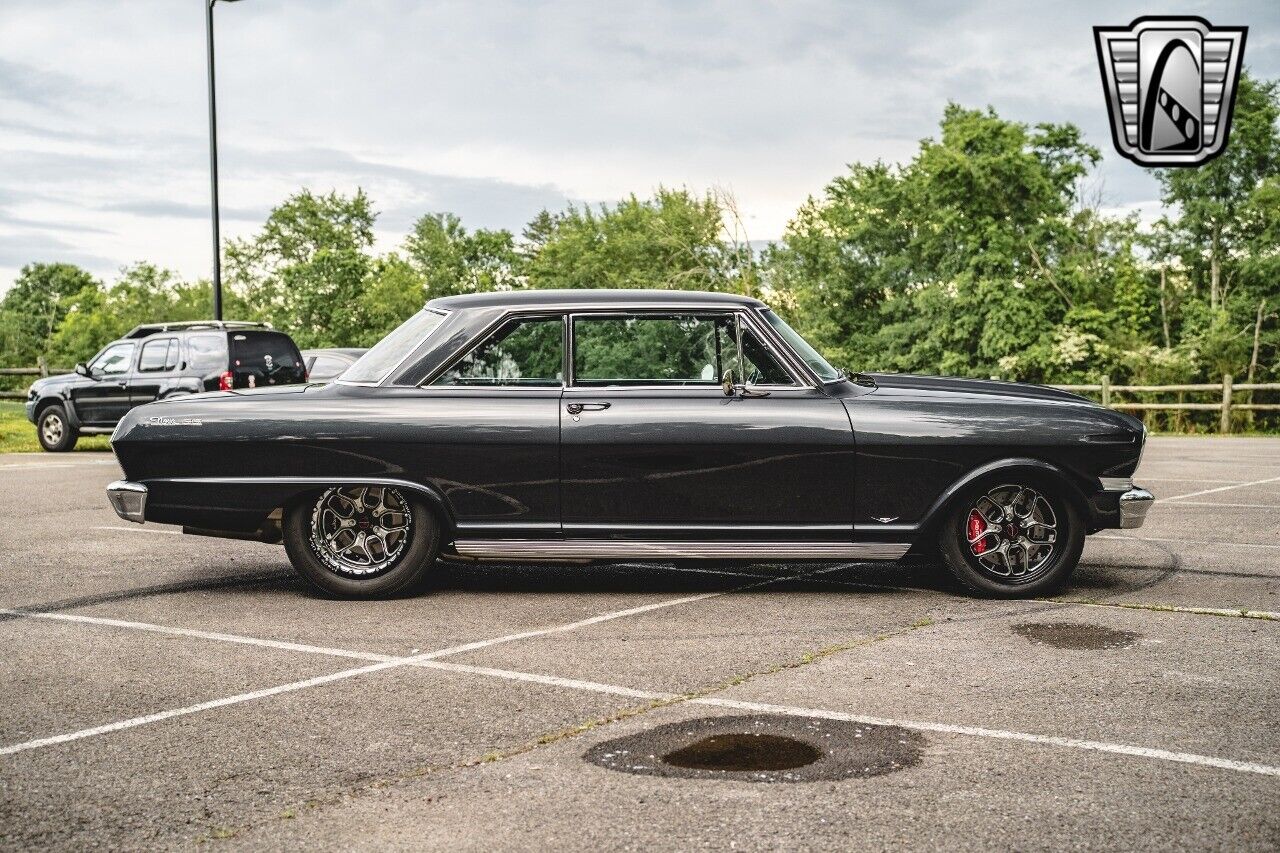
(977, 525)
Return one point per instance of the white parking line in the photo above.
(1222, 489)
(1237, 506)
(1173, 608)
(427, 661)
(1000, 734)
(324, 679)
(1182, 541)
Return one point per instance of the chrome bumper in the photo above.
(1133, 507)
(129, 500)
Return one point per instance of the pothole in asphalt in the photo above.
(762, 748)
(1072, 635)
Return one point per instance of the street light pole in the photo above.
(213, 163)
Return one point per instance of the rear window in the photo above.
(271, 357)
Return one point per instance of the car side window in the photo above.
(207, 352)
(675, 349)
(116, 359)
(155, 356)
(523, 353)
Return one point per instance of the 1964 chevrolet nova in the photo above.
(601, 425)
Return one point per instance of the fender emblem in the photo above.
(160, 421)
(885, 519)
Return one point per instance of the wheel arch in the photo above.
(1071, 487)
(435, 501)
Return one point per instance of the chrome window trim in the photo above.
(396, 369)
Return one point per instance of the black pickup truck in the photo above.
(156, 362)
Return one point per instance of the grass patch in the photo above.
(18, 435)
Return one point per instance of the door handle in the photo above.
(579, 408)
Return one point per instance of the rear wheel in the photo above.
(54, 430)
(361, 541)
(1013, 538)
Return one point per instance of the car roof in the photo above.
(351, 351)
(590, 297)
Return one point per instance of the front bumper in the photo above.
(1133, 507)
(129, 500)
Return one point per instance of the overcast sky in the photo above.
(496, 110)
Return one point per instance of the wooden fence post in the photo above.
(43, 366)
(1106, 390)
(1226, 403)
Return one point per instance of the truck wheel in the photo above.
(361, 541)
(1012, 538)
(54, 430)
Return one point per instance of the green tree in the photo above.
(450, 260)
(307, 270)
(951, 263)
(35, 306)
(673, 241)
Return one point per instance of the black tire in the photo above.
(979, 577)
(410, 565)
(54, 430)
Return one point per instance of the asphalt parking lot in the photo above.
(163, 691)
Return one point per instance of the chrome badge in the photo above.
(1170, 85)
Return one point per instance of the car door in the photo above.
(105, 399)
(155, 373)
(652, 447)
(488, 430)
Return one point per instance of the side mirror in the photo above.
(83, 370)
(726, 384)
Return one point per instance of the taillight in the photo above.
(226, 381)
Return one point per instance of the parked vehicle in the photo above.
(639, 425)
(158, 362)
(326, 365)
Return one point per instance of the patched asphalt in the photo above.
(166, 691)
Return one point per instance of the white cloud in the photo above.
(494, 110)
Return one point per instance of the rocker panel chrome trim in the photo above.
(585, 549)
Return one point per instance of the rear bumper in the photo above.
(129, 500)
(1133, 507)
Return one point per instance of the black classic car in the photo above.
(595, 425)
(157, 361)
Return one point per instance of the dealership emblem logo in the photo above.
(1170, 85)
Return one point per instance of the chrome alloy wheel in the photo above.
(52, 428)
(359, 531)
(1011, 530)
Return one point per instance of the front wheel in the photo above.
(1012, 539)
(361, 541)
(54, 430)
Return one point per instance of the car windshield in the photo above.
(811, 356)
(374, 365)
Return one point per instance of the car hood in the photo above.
(909, 381)
(48, 383)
